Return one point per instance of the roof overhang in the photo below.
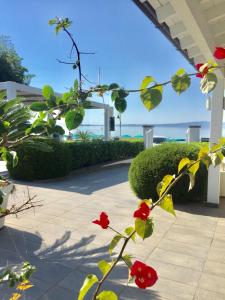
(195, 27)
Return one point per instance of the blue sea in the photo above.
(166, 130)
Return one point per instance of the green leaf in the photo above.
(48, 92)
(204, 156)
(74, 118)
(120, 104)
(183, 163)
(3, 127)
(127, 260)
(180, 72)
(1, 197)
(162, 186)
(107, 295)
(180, 83)
(194, 168)
(208, 83)
(113, 86)
(146, 81)
(192, 181)
(203, 152)
(52, 21)
(89, 281)
(104, 266)
(167, 204)
(114, 243)
(114, 95)
(222, 141)
(38, 106)
(152, 96)
(122, 93)
(76, 85)
(58, 129)
(128, 232)
(144, 228)
(10, 157)
(217, 158)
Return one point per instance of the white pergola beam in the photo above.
(215, 13)
(193, 51)
(165, 12)
(187, 42)
(216, 126)
(177, 29)
(199, 59)
(218, 28)
(220, 41)
(190, 12)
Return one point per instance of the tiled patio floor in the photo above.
(59, 238)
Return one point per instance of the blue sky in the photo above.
(127, 45)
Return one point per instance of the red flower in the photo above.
(145, 276)
(103, 221)
(203, 73)
(143, 212)
(219, 53)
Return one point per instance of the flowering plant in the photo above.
(71, 106)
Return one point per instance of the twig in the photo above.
(78, 62)
(28, 204)
(87, 53)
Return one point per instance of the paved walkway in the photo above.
(59, 238)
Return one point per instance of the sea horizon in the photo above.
(168, 130)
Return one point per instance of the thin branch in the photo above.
(78, 63)
(88, 53)
(28, 204)
(112, 267)
(87, 79)
(64, 62)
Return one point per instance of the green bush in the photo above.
(35, 163)
(68, 156)
(151, 165)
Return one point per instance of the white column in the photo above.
(108, 112)
(10, 90)
(148, 133)
(216, 126)
(193, 134)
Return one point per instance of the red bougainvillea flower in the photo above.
(103, 220)
(143, 212)
(145, 276)
(203, 73)
(219, 53)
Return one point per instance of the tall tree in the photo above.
(11, 68)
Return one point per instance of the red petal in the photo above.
(198, 66)
(96, 222)
(141, 282)
(219, 53)
(151, 276)
(199, 75)
(134, 270)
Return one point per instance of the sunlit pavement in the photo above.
(61, 241)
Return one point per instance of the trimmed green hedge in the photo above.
(68, 156)
(151, 165)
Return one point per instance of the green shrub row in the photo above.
(151, 165)
(67, 156)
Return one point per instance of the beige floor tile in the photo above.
(212, 283)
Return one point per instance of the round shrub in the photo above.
(151, 165)
(34, 163)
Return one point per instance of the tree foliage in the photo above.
(11, 68)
